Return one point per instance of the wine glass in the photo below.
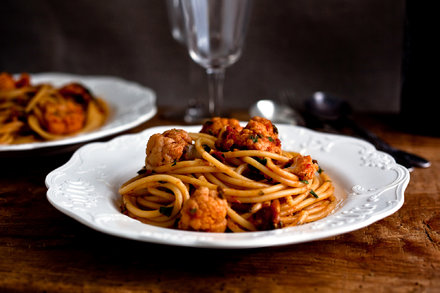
(194, 112)
(175, 17)
(215, 33)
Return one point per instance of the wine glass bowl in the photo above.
(194, 110)
(175, 17)
(215, 34)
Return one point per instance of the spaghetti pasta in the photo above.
(249, 187)
(38, 112)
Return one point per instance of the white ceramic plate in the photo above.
(369, 183)
(131, 104)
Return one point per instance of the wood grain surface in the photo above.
(43, 250)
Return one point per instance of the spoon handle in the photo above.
(402, 157)
(413, 159)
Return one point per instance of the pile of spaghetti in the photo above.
(31, 113)
(226, 178)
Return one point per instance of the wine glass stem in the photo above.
(216, 78)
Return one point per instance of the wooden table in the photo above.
(43, 250)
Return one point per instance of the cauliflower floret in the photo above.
(303, 166)
(167, 147)
(262, 126)
(204, 211)
(215, 126)
(78, 92)
(259, 134)
(250, 140)
(227, 139)
(23, 81)
(63, 118)
(6, 81)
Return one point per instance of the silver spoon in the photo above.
(332, 109)
(276, 112)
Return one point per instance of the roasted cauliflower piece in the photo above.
(204, 211)
(78, 92)
(7, 82)
(215, 126)
(303, 167)
(259, 134)
(227, 139)
(166, 148)
(63, 118)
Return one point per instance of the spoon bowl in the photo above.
(326, 107)
(275, 112)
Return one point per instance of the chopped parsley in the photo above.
(312, 192)
(166, 211)
(270, 138)
(262, 161)
(320, 170)
(220, 193)
(254, 138)
(174, 163)
(193, 211)
(305, 181)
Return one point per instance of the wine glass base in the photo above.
(194, 113)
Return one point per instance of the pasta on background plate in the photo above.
(226, 178)
(42, 112)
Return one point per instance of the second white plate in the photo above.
(131, 104)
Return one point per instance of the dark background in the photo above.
(349, 48)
